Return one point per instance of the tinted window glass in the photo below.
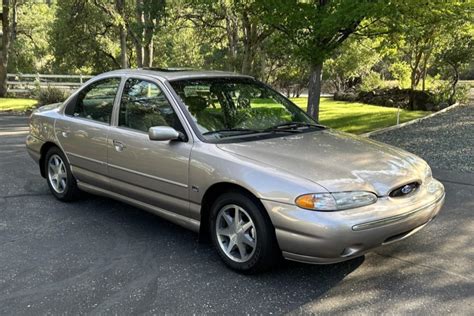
(96, 101)
(144, 105)
(224, 107)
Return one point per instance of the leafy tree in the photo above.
(142, 28)
(417, 28)
(457, 52)
(139, 20)
(281, 69)
(31, 50)
(353, 60)
(317, 29)
(240, 25)
(84, 39)
(7, 37)
(115, 34)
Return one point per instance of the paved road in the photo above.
(101, 256)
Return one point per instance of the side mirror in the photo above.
(163, 133)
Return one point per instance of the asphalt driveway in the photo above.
(101, 256)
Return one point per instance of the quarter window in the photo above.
(96, 101)
(144, 105)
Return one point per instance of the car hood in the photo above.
(335, 160)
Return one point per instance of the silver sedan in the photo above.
(229, 157)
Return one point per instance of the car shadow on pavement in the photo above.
(196, 267)
(113, 257)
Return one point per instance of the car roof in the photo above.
(175, 74)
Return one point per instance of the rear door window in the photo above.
(96, 101)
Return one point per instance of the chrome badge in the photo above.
(407, 189)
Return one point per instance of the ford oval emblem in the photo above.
(407, 189)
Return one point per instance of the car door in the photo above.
(82, 133)
(153, 172)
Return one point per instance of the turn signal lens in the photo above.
(318, 201)
(335, 201)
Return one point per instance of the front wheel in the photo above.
(242, 234)
(61, 182)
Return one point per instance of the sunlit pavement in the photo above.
(98, 256)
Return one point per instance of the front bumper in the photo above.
(330, 237)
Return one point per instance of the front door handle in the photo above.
(118, 145)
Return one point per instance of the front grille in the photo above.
(405, 189)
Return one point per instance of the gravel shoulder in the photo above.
(445, 141)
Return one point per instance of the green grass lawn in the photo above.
(356, 117)
(10, 104)
(350, 117)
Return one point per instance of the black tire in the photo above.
(266, 253)
(70, 192)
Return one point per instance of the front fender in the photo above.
(210, 165)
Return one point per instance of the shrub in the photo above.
(49, 95)
(371, 82)
(462, 93)
(401, 73)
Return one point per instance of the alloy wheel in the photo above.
(57, 174)
(236, 233)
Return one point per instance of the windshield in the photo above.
(231, 107)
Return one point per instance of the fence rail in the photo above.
(25, 83)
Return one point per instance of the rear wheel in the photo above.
(61, 182)
(243, 236)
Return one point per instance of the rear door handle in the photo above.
(118, 145)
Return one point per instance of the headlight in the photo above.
(335, 201)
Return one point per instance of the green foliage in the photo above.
(371, 82)
(83, 39)
(49, 95)
(462, 94)
(31, 51)
(400, 71)
(413, 43)
(317, 28)
(353, 60)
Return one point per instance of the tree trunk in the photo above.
(314, 91)
(232, 37)
(411, 101)
(5, 47)
(139, 38)
(119, 5)
(247, 43)
(148, 57)
(453, 85)
(414, 78)
(123, 48)
(14, 21)
(150, 24)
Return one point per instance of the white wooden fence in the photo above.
(24, 83)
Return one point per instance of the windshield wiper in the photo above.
(247, 131)
(292, 125)
(236, 131)
(280, 128)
